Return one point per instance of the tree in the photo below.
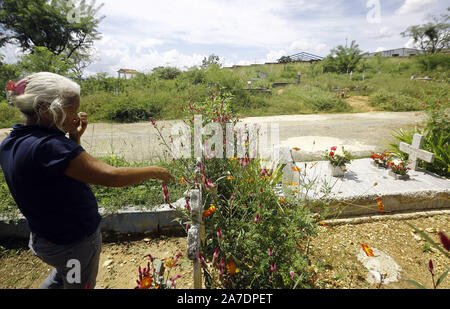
(285, 59)
(343, 59)
(61, 26)
(212, 60)
(432, 37)
(43, 60)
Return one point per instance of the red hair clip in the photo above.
(18, 88)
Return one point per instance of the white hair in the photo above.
(54, 90)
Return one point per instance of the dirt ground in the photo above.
(360, 104)
(332, 252)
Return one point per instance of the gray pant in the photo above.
(75, 265)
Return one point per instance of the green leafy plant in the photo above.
(253, 237)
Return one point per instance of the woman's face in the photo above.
(72, 120)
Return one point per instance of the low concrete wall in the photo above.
(129, 221)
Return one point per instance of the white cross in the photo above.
(415, 152)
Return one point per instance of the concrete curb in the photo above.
(130, 221)
(377, 218)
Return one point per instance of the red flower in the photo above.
(256, 219)
(431, 267)
(334, 148)
(445, 241)
(380, 205)
(367, 250)
(215, 257)
(273, 267)
(331, 154)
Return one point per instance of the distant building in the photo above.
(124, 72)
(399, 52)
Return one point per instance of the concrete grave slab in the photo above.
(357, 191)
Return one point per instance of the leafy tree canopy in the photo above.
(61, 26)
(343, 59)
(432, 37)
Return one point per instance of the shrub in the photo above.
(256, 235)
(132, 108)
(9, 115)
(166, 72)
(431, 62)
(390, 101)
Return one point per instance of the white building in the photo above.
(399, 52)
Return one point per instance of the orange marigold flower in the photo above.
(380, 205)
(145, 283)
(296, 149)
(295, 169)
(232, 268)
(367, 250)
(322, 223)
(169, 263)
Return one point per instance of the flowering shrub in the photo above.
(337, 159)
(252, 237)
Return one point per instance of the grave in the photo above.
(356, 193)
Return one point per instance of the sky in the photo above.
(143, 34)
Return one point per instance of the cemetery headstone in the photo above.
(415, 152)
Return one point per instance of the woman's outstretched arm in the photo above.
(88, 169)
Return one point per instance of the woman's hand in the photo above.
(80, 126)
(164, 175)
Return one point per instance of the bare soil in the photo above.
(332, 253)
(360, 104)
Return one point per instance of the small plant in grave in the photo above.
(338, 160)
(152, 276)
(400, 168)
(382, 158)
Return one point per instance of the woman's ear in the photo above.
(44, 113)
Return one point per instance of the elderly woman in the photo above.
(49, 174)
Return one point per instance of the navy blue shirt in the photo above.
(57, 207)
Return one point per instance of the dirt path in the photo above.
(361, 133)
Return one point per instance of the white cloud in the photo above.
(414, 6)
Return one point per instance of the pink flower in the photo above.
(221, 266)
(273, 267)
(256, 219)
(215, 257)
(270, 251)
(445, 241)
(201, 260)
(187, 206)
(292, 274)
(219, 234)
(422, 105)
(430, 267)
(177, 257)
(334, 148)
